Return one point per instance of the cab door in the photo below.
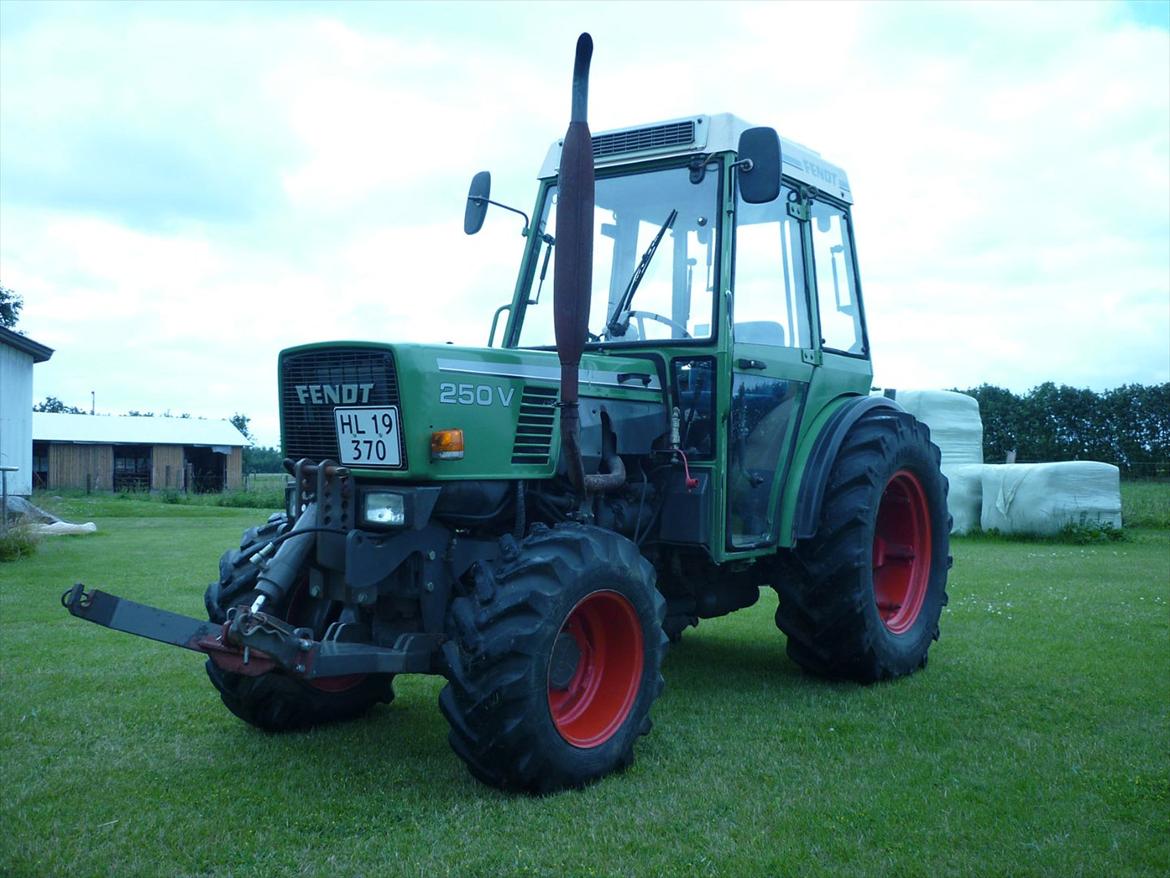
(772, 363)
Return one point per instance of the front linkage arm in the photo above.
(254, 643)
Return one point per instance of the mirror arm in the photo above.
(479, 199)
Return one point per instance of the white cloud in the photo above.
(184, 190)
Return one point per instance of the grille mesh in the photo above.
(639, 139)
(308, 428)
(535, 426)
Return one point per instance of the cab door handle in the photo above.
(744, 363)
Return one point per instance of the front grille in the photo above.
(643, 139)
(308, 427)
(535, 426)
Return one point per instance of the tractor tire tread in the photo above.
(493, 673)
(825, 588)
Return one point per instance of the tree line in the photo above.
(1128, 426)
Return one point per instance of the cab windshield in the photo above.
(655, 240)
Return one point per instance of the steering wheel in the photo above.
(642, 316)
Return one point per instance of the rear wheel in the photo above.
(864, 597)
(553, 673)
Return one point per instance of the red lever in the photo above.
(690, 482)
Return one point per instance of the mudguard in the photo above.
(822, 456)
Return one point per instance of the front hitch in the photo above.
(254, 643)
(117, 613)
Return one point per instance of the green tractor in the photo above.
(686, 419)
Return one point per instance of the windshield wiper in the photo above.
(615, 328)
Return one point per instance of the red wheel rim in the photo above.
(336, 684)
(901, 552)
(590, 709)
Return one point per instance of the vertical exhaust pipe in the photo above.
(573, 273)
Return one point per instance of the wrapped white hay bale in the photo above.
(953, 418)
(63, 528)
(957, 429)
(1043, 498)
(44, 523)
(964, 496)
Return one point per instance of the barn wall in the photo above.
(69, 465)
(16, 389)
(235, 468)
(168, 468)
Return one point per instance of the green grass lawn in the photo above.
(1036, 743)
(1145, 504)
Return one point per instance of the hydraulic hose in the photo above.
(280, 573)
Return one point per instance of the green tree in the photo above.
(241, 422)
(1002, 414)
(55, 406)
(1128, 426)
(10, 305)
(259, 459)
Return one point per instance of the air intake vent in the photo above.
(313, 383)
(644, 139)
(535, 428)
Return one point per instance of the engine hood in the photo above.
(502, 399)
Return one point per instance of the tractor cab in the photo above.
(732, 269)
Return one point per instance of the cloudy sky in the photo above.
(186, 189)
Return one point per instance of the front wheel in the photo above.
(863, 600)
(276, 701)
(553, 673)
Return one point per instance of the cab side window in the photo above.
(769, 302)
(840, 309)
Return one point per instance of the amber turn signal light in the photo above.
(447, 445)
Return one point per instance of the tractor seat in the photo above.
(760, 332)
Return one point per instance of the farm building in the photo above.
(104, 453)
(18, 353)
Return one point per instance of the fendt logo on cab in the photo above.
(319, 394)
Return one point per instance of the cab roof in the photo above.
(697, 135)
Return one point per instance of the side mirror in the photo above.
(759, 165)
(477, 202)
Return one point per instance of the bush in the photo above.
(267, 499)
(16, 543)
(1084, 534)
(1128, 426)
(1073, 533)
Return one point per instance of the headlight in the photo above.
(383, 509)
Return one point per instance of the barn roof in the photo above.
(114, 430)
(36, 350)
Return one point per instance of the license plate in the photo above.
(368, 436)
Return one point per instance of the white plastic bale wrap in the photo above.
(1043, 498)
(953, 418)
(63, 528)
(957, 429)
(964, 496)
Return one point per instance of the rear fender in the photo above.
(801, 509)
